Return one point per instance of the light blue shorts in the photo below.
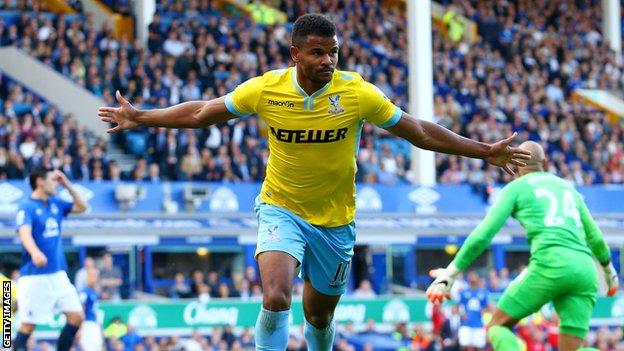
(324, 254)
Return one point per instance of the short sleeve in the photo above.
(23, 216)
(243, 100)
(83, 297)
(376, 107)
(66, 206)
(485, 299)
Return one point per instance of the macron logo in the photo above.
(287, 104)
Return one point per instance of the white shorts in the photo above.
(472, 337)
(40, 296)
(90, 336)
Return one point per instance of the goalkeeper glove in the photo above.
(441, 286)
(612, 278)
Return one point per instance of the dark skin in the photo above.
(316, 58)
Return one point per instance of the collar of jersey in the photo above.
(308, 100)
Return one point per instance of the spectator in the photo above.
(251, 276)
(116, 328)
(180, 289)
(364, 290)
(80, 279)
(131, 338)
(197, 277)
(224, 291)
(203, 291)
(111, 279)
(213, 282)
(450, 330)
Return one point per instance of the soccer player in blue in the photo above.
(43, 285)
(473, 300)
(90, 332)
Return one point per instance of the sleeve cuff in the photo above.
(394, 119)
(229, 104)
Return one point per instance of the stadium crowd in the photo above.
(34, 133)
(517, 77)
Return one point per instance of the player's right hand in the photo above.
(125, 116)
(612, 278)
(39, 259)
(440, 289)
(503, 155)
(61, 178)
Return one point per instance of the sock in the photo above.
(319, 339)
(502, 339)
(271, 332)
(19, 344)
(66, 338)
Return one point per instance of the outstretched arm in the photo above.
(593, 234)
(598, 245)
(474, 245)
(192, 114)
(430, 136)
(480, 238)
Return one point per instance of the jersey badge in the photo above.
(335, 108)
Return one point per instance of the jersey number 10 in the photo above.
(555, 215)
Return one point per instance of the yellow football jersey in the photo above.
(313, 139)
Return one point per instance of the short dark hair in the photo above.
(36, 173)
(312, 24)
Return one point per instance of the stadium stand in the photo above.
(520, 76)
(34, 133)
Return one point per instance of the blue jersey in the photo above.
(45, 221)
(89, 299)
(473, 301)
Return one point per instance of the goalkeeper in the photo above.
(562, 235)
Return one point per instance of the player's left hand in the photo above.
(611, 276)
(504, 156)
(61, 178)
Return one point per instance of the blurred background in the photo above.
(170, 224)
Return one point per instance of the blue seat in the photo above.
(21, 108)
(136, 143)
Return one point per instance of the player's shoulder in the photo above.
(348, 79)
(517, 183)
(508, 189)
(56, 203)
(27, 203)
(275, 77)
(56, 199)
(353, 81)
(348, 76)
